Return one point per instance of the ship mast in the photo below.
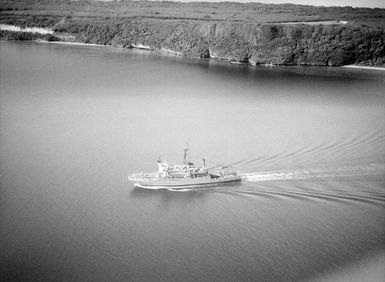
(185, 154)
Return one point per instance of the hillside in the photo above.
(251, 33)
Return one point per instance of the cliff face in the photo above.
(294, 44)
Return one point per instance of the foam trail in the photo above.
(345, 171)
(179, 190)
(273, 175)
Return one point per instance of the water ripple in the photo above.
(333, 153)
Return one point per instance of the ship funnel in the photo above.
(204, 163)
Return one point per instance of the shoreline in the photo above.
(74, 43)
(255, 45)
(171, 52)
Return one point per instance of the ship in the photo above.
(185, 176)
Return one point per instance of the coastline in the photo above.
(171, 52)
(237, 43)
(174, 53)
(73, 43)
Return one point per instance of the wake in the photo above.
(315, 173)
(347, 184)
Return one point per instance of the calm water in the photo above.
(76, 120)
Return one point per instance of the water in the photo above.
(76, 120)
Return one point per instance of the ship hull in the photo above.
(187, 183)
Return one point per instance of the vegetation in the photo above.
(12, 35)
(252, 32)
(48, 11)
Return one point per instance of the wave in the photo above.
(357, 148)
(342, 197)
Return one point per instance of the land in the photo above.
(253, 33)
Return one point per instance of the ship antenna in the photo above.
(185, 154)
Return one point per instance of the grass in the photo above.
(259, 13)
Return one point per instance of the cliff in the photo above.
(294, 44)
(332, 43)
